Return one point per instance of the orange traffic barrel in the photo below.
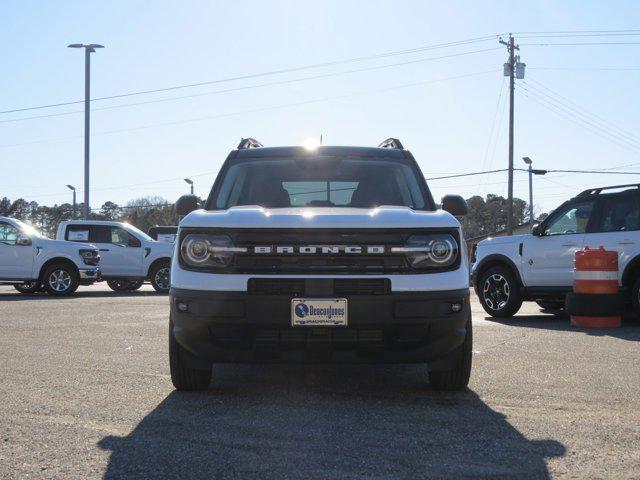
(595, 301)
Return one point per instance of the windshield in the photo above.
(28, 229)
(320, 182)
(139, 233)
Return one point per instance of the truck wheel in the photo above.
(185, 379)
(458, 377)
(499, 292)
(118, 285)
(28, 287)
(160, 277)
(60, 280)
(134, 285)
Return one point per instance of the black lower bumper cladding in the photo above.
(403, 327)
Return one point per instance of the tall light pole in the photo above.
(532, 172)
(73, 189)
(88, 50)
(528, 161)
(190, 182)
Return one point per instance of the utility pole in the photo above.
(88, 50)
(513, 68)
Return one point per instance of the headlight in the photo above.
(439, 250)
(89, 257)
(204, 250)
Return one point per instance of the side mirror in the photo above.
(536, 231)
(23, 241)
(455, 205)
(186, 204)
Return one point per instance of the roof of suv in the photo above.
(329, 151)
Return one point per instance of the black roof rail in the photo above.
(248, 143)
(392, 143)
(596, 191)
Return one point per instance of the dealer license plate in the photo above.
(319, 312)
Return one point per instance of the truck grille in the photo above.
(364, 262)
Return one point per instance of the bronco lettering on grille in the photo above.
(320, 249)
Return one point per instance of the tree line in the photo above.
(486, 215)
(143, 212)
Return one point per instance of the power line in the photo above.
(559, 111)
(493, 125)
(610, 32)
(612, 69)
(249, 87)
(256, 110)
(268, 73)
(594, 171)
(581, 35)
(563, 99)
(470, 174)
(573, 44)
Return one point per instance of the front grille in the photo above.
(276, 286)
(319, 335)
(321, 263)
(344, 287)
(361, 286)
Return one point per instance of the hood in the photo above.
(502, 240)
(320, 217)
(49, 243)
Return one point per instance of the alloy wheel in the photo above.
(60, 280)
(162, 278)
(496, 292)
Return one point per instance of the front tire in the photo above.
(184, 378)
(160, 277)
(118, 285)
(61, 280)
(28, 287)
(499, 292)
(458, 377)
(135, 285)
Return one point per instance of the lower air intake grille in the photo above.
(343, 287)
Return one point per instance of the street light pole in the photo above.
(190, 182)
(529, 162)
(88, 50)
(73, 189)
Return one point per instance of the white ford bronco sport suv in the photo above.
(29, 261)
(332, 254)
(128, 255)
(539, 267)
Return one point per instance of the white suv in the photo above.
(539, 267)
(333, 254)
(128, 255)
(29, 261)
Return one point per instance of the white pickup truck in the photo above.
(29, 261)
(128, 255)
(539, 267)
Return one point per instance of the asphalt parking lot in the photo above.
(86, 393)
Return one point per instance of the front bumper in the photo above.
(90, 275)
(239, 327)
